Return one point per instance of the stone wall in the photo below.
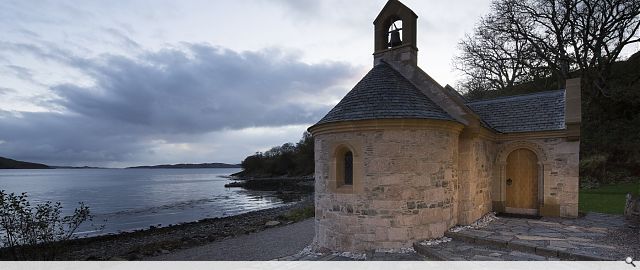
(406, 191)
(559, 159)
(563, 174)
(477, 156)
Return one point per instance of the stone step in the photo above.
(457, 250)
(528, 247)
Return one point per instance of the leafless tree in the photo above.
(493, 59)
(521, 39)
(600, 31)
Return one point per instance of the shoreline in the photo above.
(151, 242)
(304, 184)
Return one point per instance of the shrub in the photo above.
(594, 166)
(35, 232)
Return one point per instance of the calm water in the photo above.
(132, 199)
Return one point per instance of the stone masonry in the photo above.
(408, 188)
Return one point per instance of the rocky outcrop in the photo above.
(632, 207)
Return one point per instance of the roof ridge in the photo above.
(407, 79)
(541, 93)
(418, 88)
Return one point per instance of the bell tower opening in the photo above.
(395, 34)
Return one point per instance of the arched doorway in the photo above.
(522, 182)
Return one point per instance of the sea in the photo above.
(132, 199)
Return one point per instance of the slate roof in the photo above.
(542, 111)
(384, 94)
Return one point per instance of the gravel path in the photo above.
(265, 245)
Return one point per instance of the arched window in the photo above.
(348, 168)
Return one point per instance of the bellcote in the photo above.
(395, 37)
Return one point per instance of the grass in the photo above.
(607, 199)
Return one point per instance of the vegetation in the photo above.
(6, 163)
(524, 46)
(546, 41)
(299, 214)
(286, 160)
(35, 233)
(607, 199)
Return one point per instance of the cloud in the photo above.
(6, 90)
(201, 88)
(112, 82)
(306, 7)
(166, 97)
(43, 51)
(122, 39)
(57, 138)
(20, 72)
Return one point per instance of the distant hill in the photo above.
(7, 163)
(75, 167)
(189, 166)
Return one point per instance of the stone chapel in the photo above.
(401, 158)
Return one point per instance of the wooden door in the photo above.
(522, 180)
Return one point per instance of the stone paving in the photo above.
(510, 239)
(307, 255)
(457, 250)
(583, 238)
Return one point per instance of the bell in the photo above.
(395, 38)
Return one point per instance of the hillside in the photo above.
(7, 163)
(189, 166)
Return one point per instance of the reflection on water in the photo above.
(130, 199)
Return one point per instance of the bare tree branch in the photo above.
(522, 38)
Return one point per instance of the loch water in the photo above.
(131, 199)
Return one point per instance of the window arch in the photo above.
(346, 171)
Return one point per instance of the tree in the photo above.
(601, 30)
(288, 159)
(492, 59)
(305, 157)
(525, 40)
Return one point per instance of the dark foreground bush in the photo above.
(35, 232)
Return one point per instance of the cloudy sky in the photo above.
(121, 83)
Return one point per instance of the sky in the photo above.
(125, 83)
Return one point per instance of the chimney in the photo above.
(573, 109)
